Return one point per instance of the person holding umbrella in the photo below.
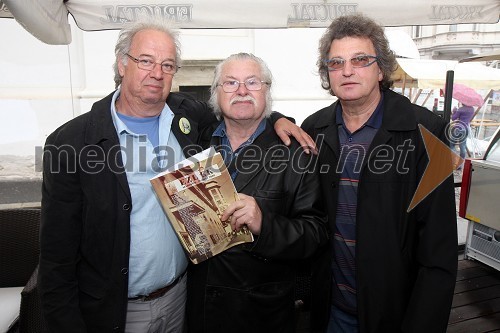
(459, 129)
(461, 117)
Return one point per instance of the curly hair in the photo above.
(357, 25)
(127, 35)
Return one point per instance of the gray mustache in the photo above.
(242, 99)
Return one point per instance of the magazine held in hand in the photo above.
(194, 195)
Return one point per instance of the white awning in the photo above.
(48, 20)
(431, 74)
(486, 56)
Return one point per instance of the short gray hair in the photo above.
(266, 76)
(357, 25)
(127, 35)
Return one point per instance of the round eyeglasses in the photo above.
(362, 60)
(251, 84)
(146, 63)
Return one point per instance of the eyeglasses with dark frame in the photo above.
(148, 64)
(251, 84)
(359, 61)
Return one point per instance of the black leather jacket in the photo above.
(250, 287)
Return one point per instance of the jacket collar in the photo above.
(395, 118)
(327, 127)
(186, 140)
(265, 141)
(101, 128)
(396, 115)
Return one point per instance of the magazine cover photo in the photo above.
(194, 195)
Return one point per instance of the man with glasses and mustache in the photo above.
(250, 287)
(110, 261)
(387, 269)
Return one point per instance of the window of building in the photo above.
(200, 93)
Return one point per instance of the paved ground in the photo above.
(20, 181)
(20, 193)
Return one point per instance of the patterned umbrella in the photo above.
(466, 95)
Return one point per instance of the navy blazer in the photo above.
(85, 228)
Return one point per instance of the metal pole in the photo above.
(448, 95)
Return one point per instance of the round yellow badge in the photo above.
(184, 125)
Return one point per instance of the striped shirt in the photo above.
(353, 150)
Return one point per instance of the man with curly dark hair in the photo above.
(388, 268)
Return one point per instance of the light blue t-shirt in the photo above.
(156, 255)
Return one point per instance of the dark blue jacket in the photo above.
(405, 261)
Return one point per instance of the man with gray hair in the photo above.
(110, 261)
(250, 287)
